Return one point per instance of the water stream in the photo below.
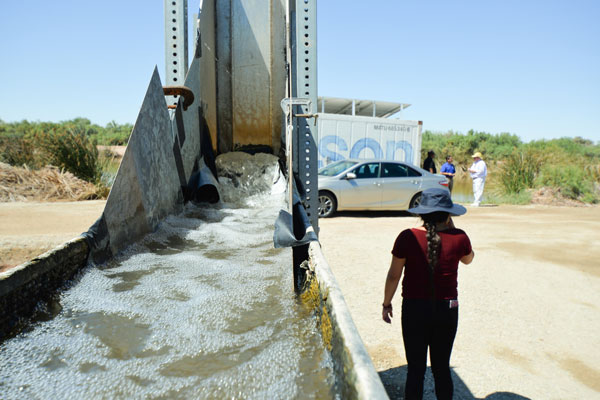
(202, 308)
(462, 192)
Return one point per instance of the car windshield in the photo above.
(336, 168)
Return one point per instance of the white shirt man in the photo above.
(478, 171)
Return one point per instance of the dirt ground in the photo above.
(28, 229)
(529, 302)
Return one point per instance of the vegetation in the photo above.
(69, 145)
(569, 165)
(112, 134)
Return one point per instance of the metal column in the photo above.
(304, 73)
(176, 45)
(304, 149)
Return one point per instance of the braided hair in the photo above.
(434, 242)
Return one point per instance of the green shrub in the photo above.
(114, 134)
(572, 181)
(17, 150)
(499, 197)
(71, 149)
(519, 171)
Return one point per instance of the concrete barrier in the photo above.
(354, 370)
(23, 287)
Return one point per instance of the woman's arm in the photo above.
(391, 284)
(468, 258)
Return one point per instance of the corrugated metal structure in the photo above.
(365, 108)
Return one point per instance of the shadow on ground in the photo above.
(393, 381)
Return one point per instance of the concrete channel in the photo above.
(178, 291)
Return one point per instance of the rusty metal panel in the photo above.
(207, 69)
(246, 52)
(223, 75)
(277, 71)
(251, 61)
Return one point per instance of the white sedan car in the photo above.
(373, 185)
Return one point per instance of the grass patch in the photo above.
(519, 198)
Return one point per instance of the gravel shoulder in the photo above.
(529, 302)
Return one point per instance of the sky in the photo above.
(527, 67)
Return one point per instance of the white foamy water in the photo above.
(202, 308)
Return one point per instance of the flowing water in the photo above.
(202, 308)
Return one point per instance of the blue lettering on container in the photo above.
(366, 143)
(392, 146)
(328, 155)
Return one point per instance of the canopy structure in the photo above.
(366, 108)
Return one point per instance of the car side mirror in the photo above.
(350, 175)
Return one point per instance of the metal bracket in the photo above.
(295, 101)
(315, 116)
(186, 92)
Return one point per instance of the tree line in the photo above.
(570, 165)
(70, 145)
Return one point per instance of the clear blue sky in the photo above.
(527, 67)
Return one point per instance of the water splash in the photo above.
(202, 308)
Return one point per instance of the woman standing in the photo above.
(429, 256)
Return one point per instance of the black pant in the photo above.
(424, 326)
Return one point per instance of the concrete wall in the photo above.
(23, 287)
(354, 369)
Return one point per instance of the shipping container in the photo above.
(360, 137)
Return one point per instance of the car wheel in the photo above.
(327, 204)
(415, 201)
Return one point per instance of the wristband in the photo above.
(388, 306)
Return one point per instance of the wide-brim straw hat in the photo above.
(434, 200)
(477, 154)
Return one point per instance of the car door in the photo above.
(364, 191)
(399, 184)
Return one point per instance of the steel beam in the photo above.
(176, 45)
(304, 85)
